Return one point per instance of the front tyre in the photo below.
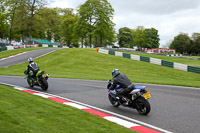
(114, 102)
(44, 84)
(30, 82)
(143, 106)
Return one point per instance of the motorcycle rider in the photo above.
(124, 82)
(32, 66)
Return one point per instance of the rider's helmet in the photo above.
(30, 59)
(115, 72)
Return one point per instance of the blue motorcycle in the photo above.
(138, 98)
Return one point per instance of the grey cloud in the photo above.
(156, 7)
(169, 17)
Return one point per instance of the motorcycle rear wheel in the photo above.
(44, 84)
(143, 106)
(114, 102)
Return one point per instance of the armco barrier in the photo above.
(180, 66)
(9, 47)
(125, 55)
(16, 47)
(174, 65)
(112, 52)
(103, 51)
(45, 45)
(145, 59)
(155, 61)
(135, 57)
(119, 54)
(3, 48)
(194, 69)
(167, 63)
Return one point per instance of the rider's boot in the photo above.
(126, 101)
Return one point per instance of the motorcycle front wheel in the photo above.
(44, 84)
(114, 102)
(143, 106)
(30, 82)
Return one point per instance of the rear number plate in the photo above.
(147, 95)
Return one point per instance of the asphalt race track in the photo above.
(24, 57)
(173, 108)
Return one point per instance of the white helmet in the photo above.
(30, 59)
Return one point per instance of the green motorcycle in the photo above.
(40, 79)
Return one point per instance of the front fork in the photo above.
(114, 96)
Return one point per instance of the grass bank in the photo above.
(87, 64)
(21, 112)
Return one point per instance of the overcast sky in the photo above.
(169, 17)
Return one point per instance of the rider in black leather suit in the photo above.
(32, 66)
(124, 82)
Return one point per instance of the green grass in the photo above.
(21, 112)
(193, 56)
(7, 53)
(190, 62)
(87, 64)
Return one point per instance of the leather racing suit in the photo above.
(34, 68)
(124, 82)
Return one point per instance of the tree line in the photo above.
(148, 38)
(140, 37)
(91, 24)
(185, 44)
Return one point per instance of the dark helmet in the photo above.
(30, 59)
(115, 72)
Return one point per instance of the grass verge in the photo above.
(87, 64)
(21, 112)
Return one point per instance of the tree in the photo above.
(95, 21)
(125, 37)
(104, 27)
(13, 5)
(3, 26)
(3, 23)
(152, 38)
(21, 16)
(30, 18)
(88, 18)
(33, 7)
(182, 43)
(20, 22)
(49, 21)
(196, 43)
(81, 31)
(68, 26)
(140, 37)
